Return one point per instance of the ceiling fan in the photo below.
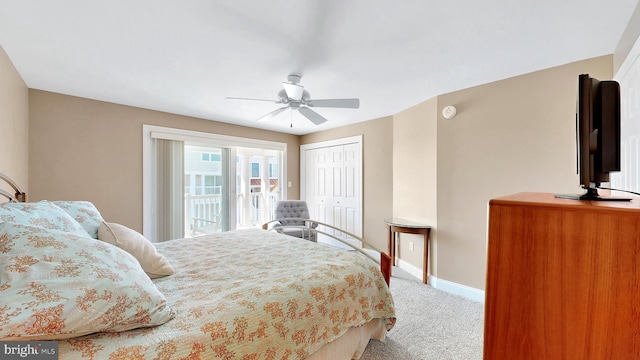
(295, 97)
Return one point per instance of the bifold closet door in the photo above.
(333, 187)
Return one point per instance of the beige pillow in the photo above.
(154, 264)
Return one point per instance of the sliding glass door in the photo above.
(259, 185)
(206, 189)
(198, 183)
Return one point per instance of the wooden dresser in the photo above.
(563, 279)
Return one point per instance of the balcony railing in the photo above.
(261, 209)
(204, 211)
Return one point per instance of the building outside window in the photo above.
(210, 157)
(212, 184)
(273, 171)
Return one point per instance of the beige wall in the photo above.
(377, 143)
(81, 149)
(14, 126)
(509, 136)
(415, 178)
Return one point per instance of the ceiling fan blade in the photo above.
(238, 98)
(335, 103)
(294, 91)
(312, 115)
(273, 113)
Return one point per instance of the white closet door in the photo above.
(352, 180)
(316, 184)
(334, 176)
(332, 185)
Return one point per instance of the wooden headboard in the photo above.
(20, 196)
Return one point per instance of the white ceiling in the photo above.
(186, 56)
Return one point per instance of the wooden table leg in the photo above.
(392, 247)
(425, 262)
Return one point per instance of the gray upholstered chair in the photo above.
(298, 209)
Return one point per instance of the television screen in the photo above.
(597, 135)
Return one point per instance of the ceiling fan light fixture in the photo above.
(294, 91)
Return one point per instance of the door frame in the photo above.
(357, 139)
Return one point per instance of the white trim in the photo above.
(629, 61)
(412, 270)
(146, 179)
(444, 285)
(159, 132)
(328, 143)
(458, 289)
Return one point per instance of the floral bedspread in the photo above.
(250, 294)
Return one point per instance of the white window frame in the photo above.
(218, 140)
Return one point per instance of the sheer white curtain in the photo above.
(168, 186)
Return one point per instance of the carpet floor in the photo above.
(431, 324)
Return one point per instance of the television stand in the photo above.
(592, 195)
(562, 279)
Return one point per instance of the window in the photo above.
(189, 176)
(210, 157)
(273, 171)
(198, 186)
(212, 184)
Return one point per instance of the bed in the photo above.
(245, 294)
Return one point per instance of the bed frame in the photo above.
(311, 227)
(20, 196)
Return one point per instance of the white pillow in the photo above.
(154, 264)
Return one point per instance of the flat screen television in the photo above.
(597, 135)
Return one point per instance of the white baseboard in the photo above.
(413, 270)
(444, 285)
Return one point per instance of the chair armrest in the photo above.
(274, 225)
